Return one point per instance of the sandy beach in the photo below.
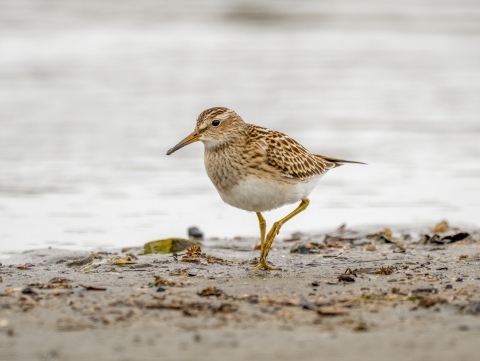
(345, 295)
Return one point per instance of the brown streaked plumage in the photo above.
(257, 169)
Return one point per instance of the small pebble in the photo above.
(448, 287)
(161, 289)
(459, 279)
(195, 232)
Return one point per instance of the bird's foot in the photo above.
(264, 265)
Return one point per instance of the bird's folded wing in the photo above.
(290, 157)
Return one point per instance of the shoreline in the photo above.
(402, 297)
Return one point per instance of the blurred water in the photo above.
(93, 93)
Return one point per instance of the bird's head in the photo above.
(215, 127)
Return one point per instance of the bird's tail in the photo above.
(338, 162)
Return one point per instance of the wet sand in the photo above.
(407, 297)
(94, 93)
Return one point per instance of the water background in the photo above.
(93, 93)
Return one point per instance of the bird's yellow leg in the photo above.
(263, 229)
(263, 264)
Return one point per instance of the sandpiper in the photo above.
(257, 169)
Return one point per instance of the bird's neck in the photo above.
(224, 162)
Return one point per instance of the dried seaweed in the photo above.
(347, 276)
(169, 245)
(56, 282)
(93, 288)
(211, 291)
(194, 255)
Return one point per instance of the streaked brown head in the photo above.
(215, 127)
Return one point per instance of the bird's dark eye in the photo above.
(216, 123)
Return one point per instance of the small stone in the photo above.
(315, 284)
(448, 287)
(161, 289)
(195, 232)
(459, 279)
(191, 273)
(371, 248)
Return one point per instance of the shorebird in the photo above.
(257, 169)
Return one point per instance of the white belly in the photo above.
(257, 195)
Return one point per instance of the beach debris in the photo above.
(80, 261)
(118, 260)
(451, 238)
(428, 302)
(335, 244)
(303, 247)
(386, 232)
(211, 291)
(364, 270)
(425, 290)
(25, 266)
(194, 255)
(361, 327)
(332, 311)
(224, 308)
(195, 233)
(384, 235)
(169, 245)
(386, 270)
(28, 291)
(397, 291)
(184, 272)
(307, 305)
(93, 288)
(371, 248)
(400, 248)
(160, 281)
(56, 282)
(455, 237)
(347, 276)
(122, 260)
(9, 291)
(441, 227)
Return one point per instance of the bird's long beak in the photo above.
(192, 138)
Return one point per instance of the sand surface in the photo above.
(413, 299)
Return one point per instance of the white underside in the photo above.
(257, 195)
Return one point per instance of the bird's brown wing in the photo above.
(288, 156)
